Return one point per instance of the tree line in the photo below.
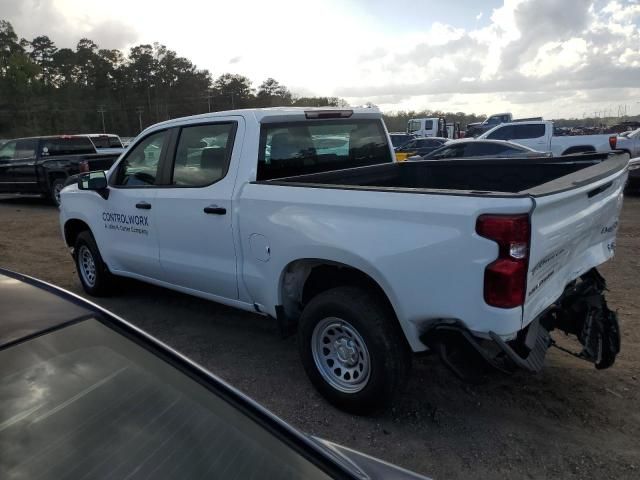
(49, 90)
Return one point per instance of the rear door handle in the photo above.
(143, 205)
(215, 210)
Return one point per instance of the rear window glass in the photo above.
(106, 141)
(67, 146)
(319, 146)
(85, 402)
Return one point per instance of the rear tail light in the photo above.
(505, 279)
(83, 166)
(317, 114)
(613, 142)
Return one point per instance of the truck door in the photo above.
(128, 240)
(18, 166)
(194, 212)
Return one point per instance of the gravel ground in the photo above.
(570, 421)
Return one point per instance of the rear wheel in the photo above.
(57, 184)
(92, 271)
(353, 350)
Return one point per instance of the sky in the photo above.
(551, 58)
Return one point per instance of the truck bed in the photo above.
(513, 177)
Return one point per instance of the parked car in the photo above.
(539, 135)
(629, 142)
(42, 164)
(87, 395)
(482, 148)
(337, 245)
(399, 139)
(420, 146)
(106, 142)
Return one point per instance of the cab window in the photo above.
(502, 133)
(534, 130)
(140, 167)
(202, 155)
(8, 150)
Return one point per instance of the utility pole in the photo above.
(209, 95)
(139, 111)
(233, 107)
(101, 111)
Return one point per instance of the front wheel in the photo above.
(94, 274)
(353, 350)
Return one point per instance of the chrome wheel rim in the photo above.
(340, 355)
(87, 266)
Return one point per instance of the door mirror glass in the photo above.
(96, 181)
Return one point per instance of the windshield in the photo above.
(413, 126)
(319, 146)
(85, 402)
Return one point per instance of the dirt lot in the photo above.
(571, 421)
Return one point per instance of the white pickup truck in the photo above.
(539, 136)
(303, 216)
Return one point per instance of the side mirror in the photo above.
(95, 181)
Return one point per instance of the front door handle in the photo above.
(143, 205)
(215, 210)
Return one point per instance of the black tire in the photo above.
(57, 184)
(102, 279)
(376, 324)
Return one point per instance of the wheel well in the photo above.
(72, 229)
(304, 279)
(53, 175)
(579, 149)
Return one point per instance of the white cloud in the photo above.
(529, 56)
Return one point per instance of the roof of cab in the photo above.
(261, 114)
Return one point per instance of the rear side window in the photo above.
(518, 132)
(319, 146)
(430, 143)
(480, 148)
(451, 151)
(67, 146)
(203, 153)
(534, 130)
(502, 133)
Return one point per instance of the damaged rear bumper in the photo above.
(581, 311)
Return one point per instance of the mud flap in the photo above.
(583, 312)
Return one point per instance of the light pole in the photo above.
(139, 111)
(101, 111)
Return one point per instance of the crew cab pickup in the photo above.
(539, 136)
(41, 165)
(304, 216)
